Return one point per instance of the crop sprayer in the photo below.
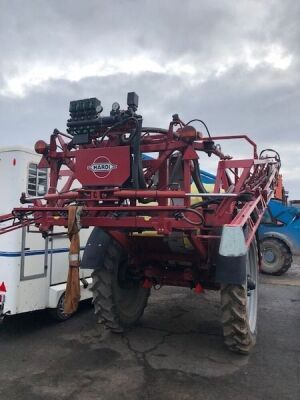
(134, 185)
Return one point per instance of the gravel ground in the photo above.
(176, 352)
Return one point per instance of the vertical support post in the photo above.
(54, 170)
(187, 181)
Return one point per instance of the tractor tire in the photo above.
(116, 306)
(239, 308)
(276, 257)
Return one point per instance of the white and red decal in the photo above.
(102, 167)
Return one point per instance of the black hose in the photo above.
(137, 173)
(117, 124)
(135, 163)
(277, 156)
(189, 221)
(202, 122)
(154, 130)
(197, 178)
(206, 203)
(138, 178)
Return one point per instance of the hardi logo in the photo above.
(102, 167)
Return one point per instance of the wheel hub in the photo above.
(269, 256)
(251, 285)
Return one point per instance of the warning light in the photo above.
(41, 147)
(3, 287)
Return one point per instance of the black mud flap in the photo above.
(231, 269)
(95, 249)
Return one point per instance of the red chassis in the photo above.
(241, 192)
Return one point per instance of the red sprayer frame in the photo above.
(241, 192)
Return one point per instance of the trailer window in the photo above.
(37, 180)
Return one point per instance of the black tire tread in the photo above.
(103, 299)
(237, 334)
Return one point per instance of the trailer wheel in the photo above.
(118, 303)
(58, 313)
(239, 308)
(276, 257)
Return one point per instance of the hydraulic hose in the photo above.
(197, 178)
(138, 178)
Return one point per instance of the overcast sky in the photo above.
(234, 64)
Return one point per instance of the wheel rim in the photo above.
(269, 256)
(61, 308)
(127, 298)
(252, 274)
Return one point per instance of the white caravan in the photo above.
(33, 270)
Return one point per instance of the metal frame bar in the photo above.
(163, 217)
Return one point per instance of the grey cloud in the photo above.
(234, 103)
(262, 101)
(201, 30)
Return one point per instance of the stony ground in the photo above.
(175, 353)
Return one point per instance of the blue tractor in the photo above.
(279, 235)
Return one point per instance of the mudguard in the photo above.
(231, 270)
(95, 249)
(232, 257)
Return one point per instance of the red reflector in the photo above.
(3, 287)
(147, 284)
(198, 289)
(14, 162)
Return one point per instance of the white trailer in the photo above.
(33, 270)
